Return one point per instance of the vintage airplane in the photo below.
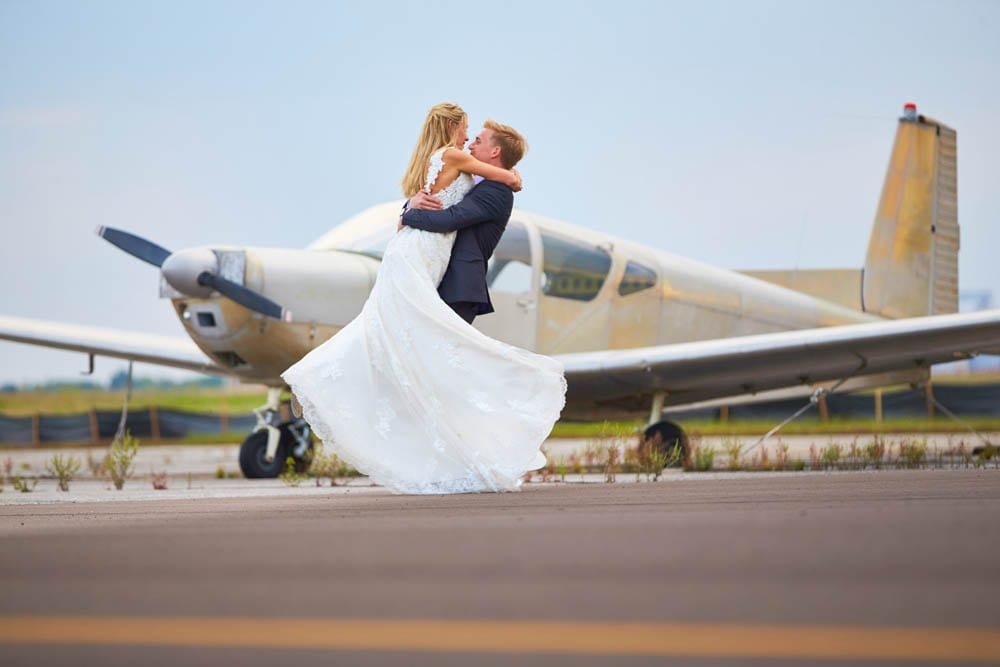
(638, 329)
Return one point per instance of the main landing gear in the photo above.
(666, 436)
(264, 451)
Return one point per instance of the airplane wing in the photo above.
(703, 370)
(147, 348)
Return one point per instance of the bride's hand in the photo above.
(516, 184)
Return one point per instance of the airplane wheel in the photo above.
(667, 437)
(253, 449)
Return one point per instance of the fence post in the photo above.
(224, 419)
(878, 405)
(929, 397)
(724, 414)
(824, 413)
(154, 422)
(36, 429)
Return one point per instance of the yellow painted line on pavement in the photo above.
(588, 638)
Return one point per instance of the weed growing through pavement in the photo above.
(329, 466)
(290, 476)
(63, 468)
(576, 465)
(761, 459)
(21, 484)
(734, 453)
(814, 462)
(913, 454)
(95, 465)
(987, 454)
(874, 452)
(782, 460)
(159, 479)
(611, 461)
(592, 452)
(831, 455)
(120, 458)
(650, 460)
(702, 457)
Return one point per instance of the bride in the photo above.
(408, 393)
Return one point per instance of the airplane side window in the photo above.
(637, 278)
(573, 270)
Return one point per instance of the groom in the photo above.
(480, 219)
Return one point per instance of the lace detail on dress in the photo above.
(456, 190)
(434, 167)
(415, 398)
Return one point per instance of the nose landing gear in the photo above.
(263, 453)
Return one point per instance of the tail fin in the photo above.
(912, 264)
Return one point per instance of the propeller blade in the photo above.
(134, 245)
(243, 296)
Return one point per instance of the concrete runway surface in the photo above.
(832, 569)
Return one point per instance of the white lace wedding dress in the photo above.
(415, 398)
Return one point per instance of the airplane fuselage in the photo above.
(557, 288)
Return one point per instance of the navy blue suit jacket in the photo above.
(480, 220)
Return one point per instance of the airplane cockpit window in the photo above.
(637, 278)
(367, 233)
(510, 267)
(573, 270)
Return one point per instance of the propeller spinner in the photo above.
(194, 272)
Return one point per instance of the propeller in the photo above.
(193, 272)
(134, 245)
(243, 296)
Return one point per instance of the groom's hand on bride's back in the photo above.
(425, 201)
(422, 200)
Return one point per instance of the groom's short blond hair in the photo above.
(512, 144)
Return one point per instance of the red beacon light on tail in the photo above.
(910, 111)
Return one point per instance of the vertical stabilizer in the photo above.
(912, 264)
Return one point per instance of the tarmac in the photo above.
(841, 568)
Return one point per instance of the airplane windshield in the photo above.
(510, 267)
(367, 233)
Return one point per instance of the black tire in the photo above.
(668, 436)
(252, 453)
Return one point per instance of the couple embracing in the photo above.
(408, 392)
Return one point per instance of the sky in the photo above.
(743, 134)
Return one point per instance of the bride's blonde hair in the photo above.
(438, 131)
